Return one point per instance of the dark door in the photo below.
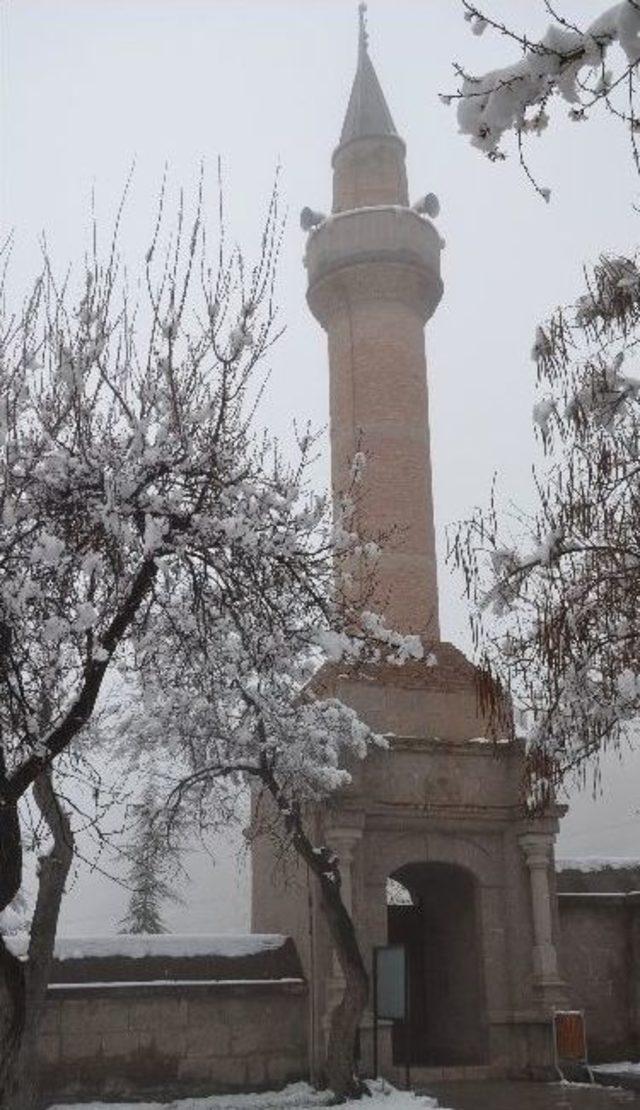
(447, 1015)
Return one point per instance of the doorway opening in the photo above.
(431, 909)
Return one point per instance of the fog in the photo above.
(89, 87)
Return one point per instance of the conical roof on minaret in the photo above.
(368, 114)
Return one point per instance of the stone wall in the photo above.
(600, 958)
(598, 876)
(106, 1035)
(172, 1040)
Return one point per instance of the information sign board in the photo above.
(390, 977)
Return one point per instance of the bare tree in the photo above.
(120, 459)
(232, 707)
(138, 501)
(557, 594)
(554, 592)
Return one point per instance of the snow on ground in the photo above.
(626, 1067)
(138, 945)
(299, 1096)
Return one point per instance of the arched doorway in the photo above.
(431, 909)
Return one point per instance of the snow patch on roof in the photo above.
(137, 946)
(128, 983)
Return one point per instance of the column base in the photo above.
(550, 992)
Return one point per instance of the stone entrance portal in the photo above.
(432, 910)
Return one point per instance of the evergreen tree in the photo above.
(151, 856)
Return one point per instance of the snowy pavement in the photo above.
(299, 1096)
(486, 1095)
(494, 1095)
(626, 1072)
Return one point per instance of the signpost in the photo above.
(390, 995)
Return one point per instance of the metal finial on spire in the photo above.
(363, 40)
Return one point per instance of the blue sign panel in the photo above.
(390, 976)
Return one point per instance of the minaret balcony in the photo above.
(390, 250)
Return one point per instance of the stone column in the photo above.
(376, 933)
(538, 853)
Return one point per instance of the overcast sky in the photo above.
(88, 86)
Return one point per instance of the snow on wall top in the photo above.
(137, 946)
(588, 864)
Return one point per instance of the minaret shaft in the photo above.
(378, 403)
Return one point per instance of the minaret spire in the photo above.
(368, 163)
(368, 115)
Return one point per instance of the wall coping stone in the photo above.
(61, 992)
(601, 898)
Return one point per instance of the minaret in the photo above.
(437, 811)
(374, 281)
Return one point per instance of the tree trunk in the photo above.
(12, 1017)
(339, 1070)
(346, 1017)
(12, 980)
(21, 1087)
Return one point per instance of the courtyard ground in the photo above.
(299, 1096)
(532, 1096)
(454, 1096)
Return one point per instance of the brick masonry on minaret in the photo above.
(374, 281)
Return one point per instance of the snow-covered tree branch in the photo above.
(585, 68)
(152, 536)
(226, 703)
(125, 436)
(557, 595)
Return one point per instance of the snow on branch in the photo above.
(582, 67)
(556, 593)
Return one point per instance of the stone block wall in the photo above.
(600, 960)
(172, 1040)
(598, 876)
(172, 1036)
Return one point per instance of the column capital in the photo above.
(537, 849)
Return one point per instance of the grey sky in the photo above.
(91, 84)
